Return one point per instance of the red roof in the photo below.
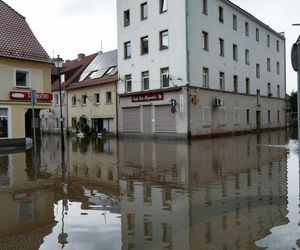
(16, 38)
(72, 70)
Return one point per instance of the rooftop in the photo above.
(17, 39)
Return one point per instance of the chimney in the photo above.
(80, 56)
(67, 61)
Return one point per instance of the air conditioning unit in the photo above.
(218, 102)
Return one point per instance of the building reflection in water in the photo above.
(224, 193)
(214, 194)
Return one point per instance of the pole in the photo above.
(61, 116)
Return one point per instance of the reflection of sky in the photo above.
(286, 236)
(94, 230)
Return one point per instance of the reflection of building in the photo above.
(223, 69)
(24, 64)
(226, 193)
(88, 159)
(27, 211)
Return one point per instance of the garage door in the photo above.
(164, 119)
(131, 120)
(147, 121)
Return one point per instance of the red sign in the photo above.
(25, 96)
(148, 97)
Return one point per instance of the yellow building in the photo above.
(92, 100)
(24, 65)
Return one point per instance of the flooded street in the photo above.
(228, 193)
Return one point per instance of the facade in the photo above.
(92, 100)
(24, 65)
(70, 72)
(213, 69)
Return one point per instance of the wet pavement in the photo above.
(228, 193)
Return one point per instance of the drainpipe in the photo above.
(187, 71)
(117, 117)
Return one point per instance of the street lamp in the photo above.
(58, 62)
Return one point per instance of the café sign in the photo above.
(148, 97)
(25, 96)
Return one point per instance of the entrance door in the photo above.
(258, 120)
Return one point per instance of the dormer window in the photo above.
(111, 69)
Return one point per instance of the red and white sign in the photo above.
(25, 96)
(148, 97)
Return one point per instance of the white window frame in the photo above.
(205, 77)
(167, 74)
(95, 98)
(74, 103)
(28, 78)
(9, 128)
(145, 76)
(128, 79)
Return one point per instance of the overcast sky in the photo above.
(69, 27)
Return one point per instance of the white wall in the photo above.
(259, 52)
(174, 57)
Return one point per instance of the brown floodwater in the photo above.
(237, 192)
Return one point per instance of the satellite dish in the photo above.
(294, 57)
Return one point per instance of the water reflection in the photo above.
(225, 193)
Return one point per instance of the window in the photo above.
(57, 125)
(247, 115)
(258, 97)
(56, 99)
(257, 35)
(165, 78)
(222, 80)
(108, 98)
(221, 47)
(269, 64)
(128, 83)
(278, 91)
(235, 83)
(234, 22)
(278, 116)
(84, 99)
(22, 79)
(278, 68)
(144, 45)
(127, 50)
(62, 78)
(277, 46)
(145, 80)
(144, 11)
(247, 57)
(97, 98)
(110, 70)
(204, 40)
(126, 17)
(246, 28)
(74, 122)
(74, 101)
(163, 5)
(235, 52)
(268, 40)
(221, 14)
(163, 40)
(257, 70)
(3, 122)
(269, 89)
(269, 116)
(204, 7)
(205, 77)
(247, 86)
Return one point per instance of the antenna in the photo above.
(101, 46)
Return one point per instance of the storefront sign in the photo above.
(148, 97)
(25, 96)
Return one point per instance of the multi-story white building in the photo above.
(221, 68)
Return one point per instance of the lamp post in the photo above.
(58, 62)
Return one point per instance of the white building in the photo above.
(224, 68)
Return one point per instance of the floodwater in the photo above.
(228, 193)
